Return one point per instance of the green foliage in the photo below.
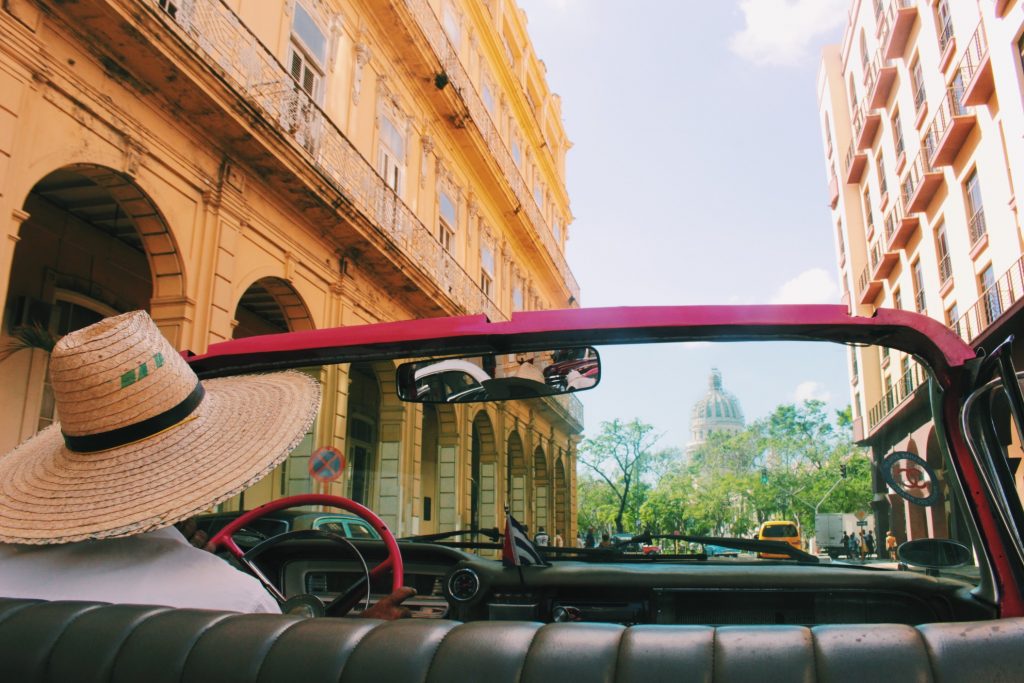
(779, 467)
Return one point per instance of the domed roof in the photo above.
(718, 407)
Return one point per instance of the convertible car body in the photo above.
(593, 614)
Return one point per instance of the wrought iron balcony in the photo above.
(904, 388)
(919, 184)
(993, 303)
(880, 77)
(976, 228)
(220, 37)
(867, 287)
(854, 161)
(899, 20)
(865, 125)
(899, 226)
(881, 261)
(976, 68)
(458, 76)
(949, 129)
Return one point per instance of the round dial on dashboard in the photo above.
(463, 584)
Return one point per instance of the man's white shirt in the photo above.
(155, 568)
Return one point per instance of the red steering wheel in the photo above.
(393, 562)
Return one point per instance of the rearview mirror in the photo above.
(934, 553)
(499, 377)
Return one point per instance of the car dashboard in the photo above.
(453, 584)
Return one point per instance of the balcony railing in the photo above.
(458, 76)
(945, 35)
(919, 184)
(976, 228)
(898, 226)
(867, 287)
(865, 125)
(224, 41)
(949, 129)
(945, 270)
(898, 22)
(992, 303)
(881, 74)
(976, 69)
(880, 260)
(854, 162)
(904, 388)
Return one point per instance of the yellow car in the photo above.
(779, 530)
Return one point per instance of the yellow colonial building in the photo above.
(254, 166)
(923, 131)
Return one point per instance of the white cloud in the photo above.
(811, 391)
(813, 286)
(780, 32)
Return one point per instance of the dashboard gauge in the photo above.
(463, 585)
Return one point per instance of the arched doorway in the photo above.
(541, 488)
(363, 427)
(93, 244)
(483, 473)
(561, 499)
(939, 511)
(515, 477)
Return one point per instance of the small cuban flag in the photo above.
(518, 551)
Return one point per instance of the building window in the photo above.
(953, 318)
(556, 228)
(975, 208)
(883, 186)
(517, 297)
(863, 51)
(854, 367)
(828, 137)
(944, 25)
(391, 159)
(897, 301)
(869, 214)
(897, 134)
(448, 221)
(917, 279)
(917, 84)
(942, 253)
(840, 241)
(486, 269)
(517, 152)
(538, 195)
(991, 305)
(308, 52)
(450, 20)
(487, 94)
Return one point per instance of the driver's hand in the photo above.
(190, 530)
(390, 608)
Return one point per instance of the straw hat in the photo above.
(142, 444)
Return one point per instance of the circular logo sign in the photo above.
(326, 464)
(911, 478)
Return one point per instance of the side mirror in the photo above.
(499, 377)
(934, 553)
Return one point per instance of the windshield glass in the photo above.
(667, 452)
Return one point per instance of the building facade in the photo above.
(252, 166)
(923, 128)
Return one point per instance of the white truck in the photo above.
(829, 528)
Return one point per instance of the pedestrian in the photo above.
(558, 541)
(590, 540)
(541, 539)
(890, 544)
(853, 551)
(139, 451)
(579, 539)
(862, 545)
(846, 543)
(870, 540)
(605, 540)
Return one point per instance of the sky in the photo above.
(697, 176)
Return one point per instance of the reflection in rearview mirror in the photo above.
(934, 553)
(499, 377)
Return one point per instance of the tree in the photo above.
(620, 456)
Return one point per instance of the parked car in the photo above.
(635, 618)
(283, 521)
(784, 531)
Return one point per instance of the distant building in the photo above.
(923, 132)
(718, 411)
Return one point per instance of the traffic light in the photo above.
(764, 475)
(842, 471)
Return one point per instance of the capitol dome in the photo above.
(718, 411)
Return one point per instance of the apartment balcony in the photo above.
(880, 77)
(881, 261)
(949, 129)
(854, 161)
(899, 21)
(895, 397)
(919, 184)
(976, 68)
(993, 304)
(430, 29)
(205, 59)
(867, 287)
(899, 227)
(865, 125)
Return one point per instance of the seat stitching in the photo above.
(618, 654)
(529, 649)
(928, 653)
(430, 664)
(714, 652)
(273, 642)
(56, 641)
(814, 653)
(192, 646)
(120, 647)
(17, 610)
(355, 647)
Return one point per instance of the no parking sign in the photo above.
(326, 464)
